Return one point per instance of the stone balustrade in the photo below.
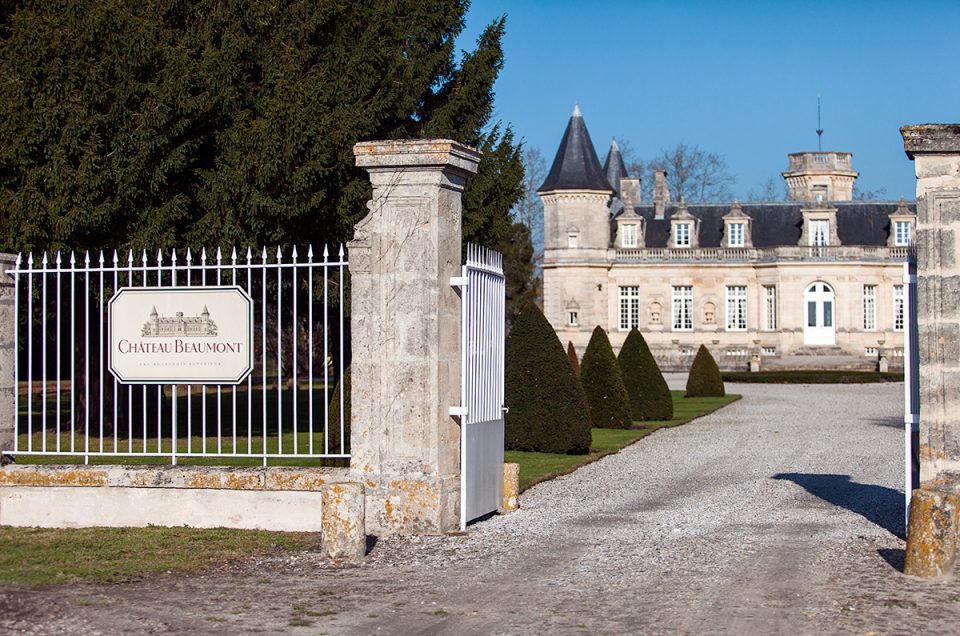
(760, 255)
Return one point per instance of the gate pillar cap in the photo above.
(922, 139)
(375, 156)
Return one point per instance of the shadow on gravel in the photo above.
(887, 422)
(893, 557)
(878, 504)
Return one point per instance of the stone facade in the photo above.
(742, 279)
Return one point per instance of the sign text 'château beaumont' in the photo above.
(188, 335)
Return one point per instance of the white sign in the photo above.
(181, 335)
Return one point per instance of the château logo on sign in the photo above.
(180, 343)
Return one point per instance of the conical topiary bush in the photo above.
(548, 410)
(650, 397)
(603, 384)
(574, 360)
(333, 443)
(704, 379)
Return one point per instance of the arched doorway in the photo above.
(819, 319)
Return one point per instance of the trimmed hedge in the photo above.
(603, 384)
(572, 357)
(650, 397)
(334, 414)
(704, 379)
(548, 410)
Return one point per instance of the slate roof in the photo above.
(777, 224)
(576, 166)
(614, 168)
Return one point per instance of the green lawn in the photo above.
(43, 556)
(537, 467)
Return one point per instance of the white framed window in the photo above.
(898, 314)
(683, 308)
(870, 307)
(901, 233)
(682, 235)
(819, 232)
(736, 308)
(629, 235)
(768, 351)
(770, 308)
(735, 237)
(871, 352)
(573, 240)
(629, 307)
(573, 319)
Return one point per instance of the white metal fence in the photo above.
(483, 294)
(68, 404)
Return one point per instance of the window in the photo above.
(770, 308)
(898, 307)
(819, 232)
(629, 235)
(870, 307)
(901, 233)
(820, 193)
(573, 319)
(682, 237)
(735, 239)
(573, 240)
(683, 308)
(737, 308)
(629, 307)
(871, 352)
(768, 351)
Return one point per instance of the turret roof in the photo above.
(576, 166)
(614, 167)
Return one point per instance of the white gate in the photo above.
(481, 383)
(911, 382)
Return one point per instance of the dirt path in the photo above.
(778, 514)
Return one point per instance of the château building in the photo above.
(815, 281)
(179, 325)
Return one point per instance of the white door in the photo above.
(819, 307)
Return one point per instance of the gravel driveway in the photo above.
(778, 514)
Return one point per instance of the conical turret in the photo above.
(576, 166)
(614, 168)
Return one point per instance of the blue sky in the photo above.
(740, 79)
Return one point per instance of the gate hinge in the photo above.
(459, 281)
(458, 411)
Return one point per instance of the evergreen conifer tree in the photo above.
(548, 410)
(650, 397)
(603, 384)
(704, 379)
(574, 360)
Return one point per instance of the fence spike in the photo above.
(86, 258)
(264, 255)
(173, 255)
(189, 256)
(326, 252)
(341, 251)
(30, 260)
(249, 254)
(159, 257)
(219, 255)
(102, 259)
(116, 258)
(130, 257)
(310, 251)
(203, 255)
(294, 251)
(279, 254)
(20, 258)
(73, 258)
(233, 255)
(144, 258)
(59, 260)
(44, 259)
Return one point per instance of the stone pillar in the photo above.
(933, 527)
(8, 354)
(406, 334)
(935, 149)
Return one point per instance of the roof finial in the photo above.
(819, 127)
(613, 145)
(576, 110)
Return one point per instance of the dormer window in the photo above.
(683, 226)
(902, 233)
(629, 238)
(682, 234)
(819, 232)
(735, 237)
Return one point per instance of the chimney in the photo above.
(661, 194)
(630, 192)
